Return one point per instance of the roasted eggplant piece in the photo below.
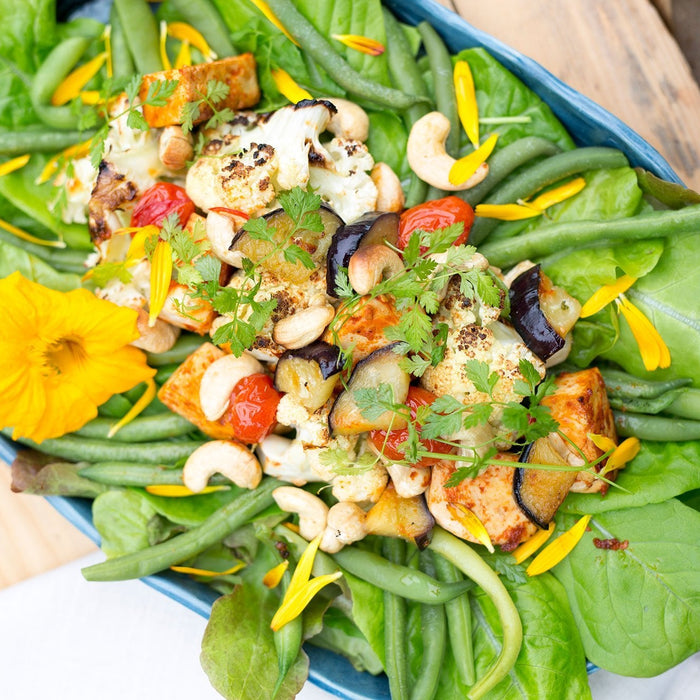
(309, 374)
(539, 493)
(380, 367)
(315, 243)
(373, 228)
(541, 313)
(393, 516)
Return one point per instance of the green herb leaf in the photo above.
(481, 377)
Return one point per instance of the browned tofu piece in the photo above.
(238, 72)
(181, 392)
(580, 406)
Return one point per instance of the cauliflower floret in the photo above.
(287, 460)
(311, 426)
(364, 487)
(78, 188)
(345, 183)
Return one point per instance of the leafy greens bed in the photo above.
(632, 609)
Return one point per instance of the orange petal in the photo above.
(294, 605)
(10, 228)
(464, 168)
(9, 166)
(606, 294)
(558, 194)
(177, 491)
(553, 553)
(161, 275)
(273, 577)
(288, 87)
(472, 523)
(652, 348)
(466, 101)
(505, 212)
(364, 44)
(206, 572)
(533, 544)
(624, 453)
(72, 85)
(187, 33)
(269, 14)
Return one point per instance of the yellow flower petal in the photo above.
(187, 33)
(206, 572)
(364, 44)
(10, 228)
(107, 36)
(533, 544)
(184, 56)
(273, 577)
(288, 87)
(161, 275)
(466, 101)
(302, 572)
(602, 442)
(294, 605)
(270, 15)
(558, 194)
(606, 294)
(137, 249)
(624, 453)
(465, 167)
(652, 348)
(79, 150)
(553, 553)
(177, 491)
(136, 409)
(10, 166)
(472, 523)
(77, 80)
(163, 45)
(90, 97)
(505, 212)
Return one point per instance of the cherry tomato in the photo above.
(389, 446)
(433, 215)
(253, 408)
(160, 200)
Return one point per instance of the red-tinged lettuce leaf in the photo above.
(40, 474)
(238, 649)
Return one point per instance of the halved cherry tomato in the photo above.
(389, 445)
(160, 200)
(253, 408)
(433, 215)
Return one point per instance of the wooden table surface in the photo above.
(618, 53)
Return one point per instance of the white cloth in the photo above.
(66, 639)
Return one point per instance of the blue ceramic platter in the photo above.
(587, 122)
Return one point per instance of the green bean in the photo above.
(61, 259)
(472, 565)
(405, 582)
(656, 428)
(185, 345)
(215, 528)
(459, 622)
(658, 404)
(122, 63)
(14, 143)
(586, 234)
(141, 429)
(545, 173)
(204, 17)
(165, 372)
(337, 68)
(116, 406)
(504, 161)
(686, 404)
(396, 663)
(141, 33)
(80, 449)
(287, 642)
(434, 633)
(136, 392)
(619, 383)
(130, 474)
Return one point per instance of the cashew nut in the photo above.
(370, 264)
(409, 481)
(285, 459)
(429, 159)
(221, 230)
(303, 327)
(175, 148)
(158, 338)
(220, 378)
(312, 511)
(350, 121)
(184, 311)
(226, 457)
(345, 525)
(390, 195)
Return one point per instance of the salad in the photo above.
(308, 305)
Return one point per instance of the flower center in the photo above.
(64, 354)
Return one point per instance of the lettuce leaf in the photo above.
(14, 259)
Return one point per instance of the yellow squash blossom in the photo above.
(63, 354)
(653, 350)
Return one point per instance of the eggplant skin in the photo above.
(529, 319)
(325, 355)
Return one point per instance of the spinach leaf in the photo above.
(121, 516)
(368, 612)
(238, 649)
(387, 141)
(660, 471)
(500, 94)
(637, 609)
(14, 259)
(551, 663)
